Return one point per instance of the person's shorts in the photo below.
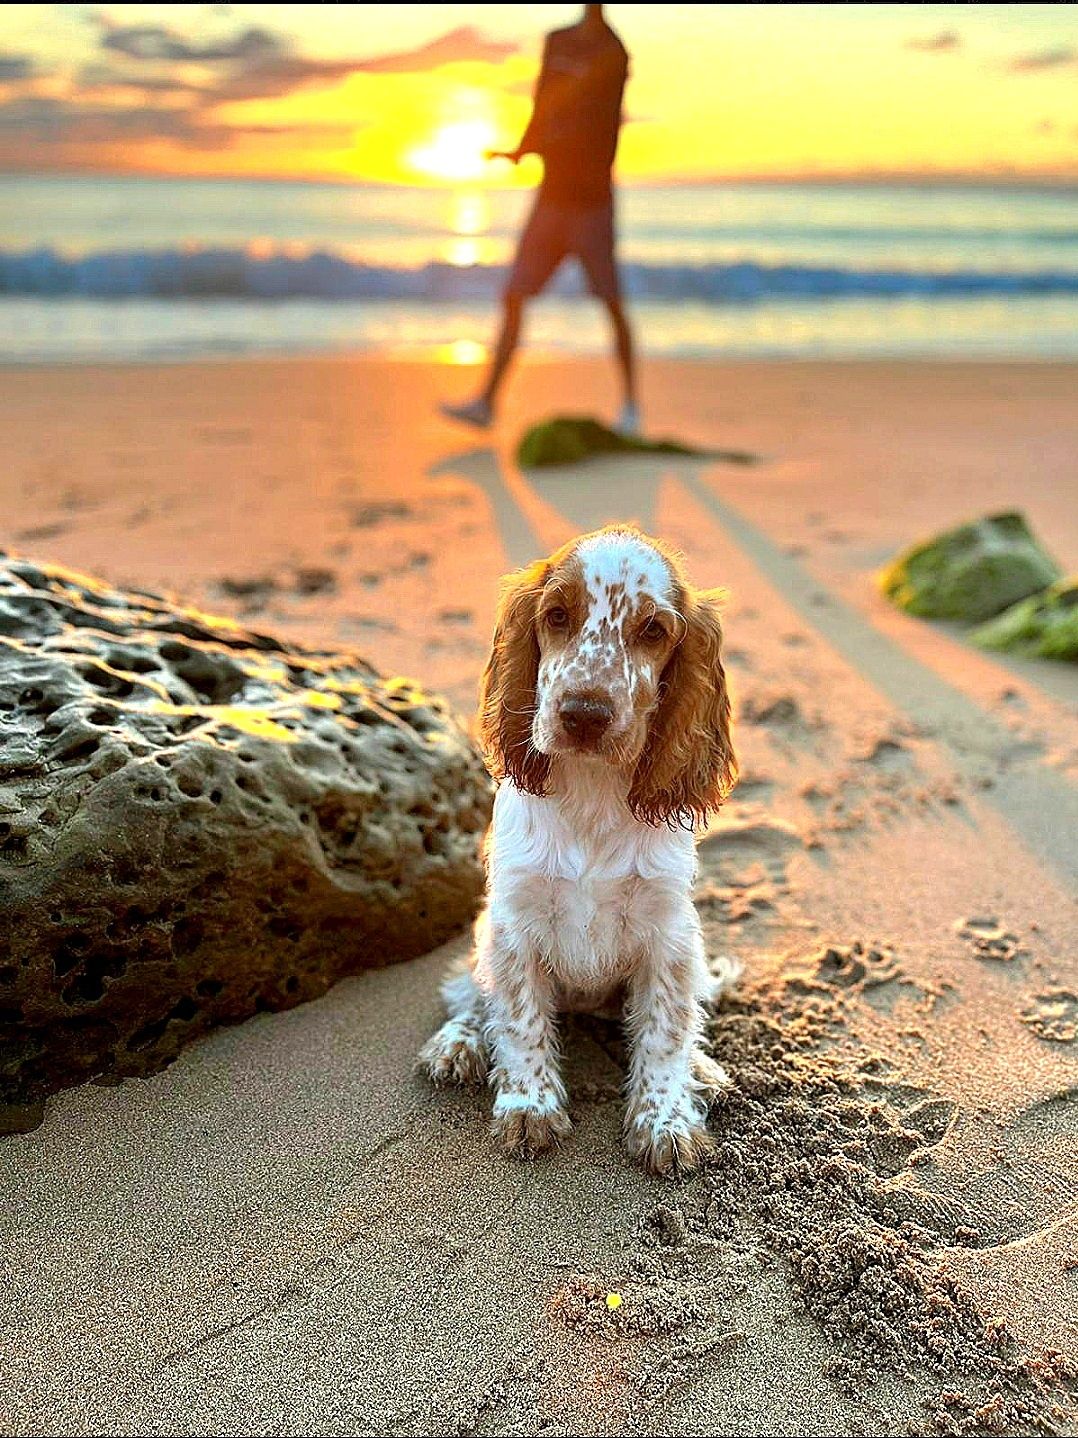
(553, 233)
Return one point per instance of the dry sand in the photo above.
(286, 1232)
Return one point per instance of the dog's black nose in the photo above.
(585, 718)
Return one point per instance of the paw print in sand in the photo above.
(1053, 1016)
(989, 940)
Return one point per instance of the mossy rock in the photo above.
(972, 572)
(570, 439)
(200, 822)
(1044, 626)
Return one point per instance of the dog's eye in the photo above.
(653, 632)
(557, 617)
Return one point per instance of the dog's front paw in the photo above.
(710, 1078)
(524, 1131)
(669, 1149)
(454, 1055)
(665, 1131)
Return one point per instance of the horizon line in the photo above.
(1032, 179)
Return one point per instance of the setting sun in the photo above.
(456, 151)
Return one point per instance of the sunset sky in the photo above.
(415, 93)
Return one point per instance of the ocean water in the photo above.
(133, 268)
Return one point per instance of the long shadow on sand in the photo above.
(482, 467)
(535, 513)
(1038, 803)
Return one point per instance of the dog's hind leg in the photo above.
(723, 973)
(709, 1076)
(457, 1053)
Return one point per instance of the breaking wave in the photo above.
(204, 274)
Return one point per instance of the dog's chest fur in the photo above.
(588, 885)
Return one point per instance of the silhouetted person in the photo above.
(574, 127)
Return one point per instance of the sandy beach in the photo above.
(287, 1232)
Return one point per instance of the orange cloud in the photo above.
(51, 120)
(465, 44)
(257, 64)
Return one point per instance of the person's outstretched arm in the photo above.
(530, 139)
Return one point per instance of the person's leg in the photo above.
(624, 349)
(479, 412)
(541, 250)
(508, 337)
(595, 242)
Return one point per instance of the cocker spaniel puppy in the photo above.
(605, 716)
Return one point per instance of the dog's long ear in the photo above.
(507, 688)
(687, 766)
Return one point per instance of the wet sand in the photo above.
(287, 1232)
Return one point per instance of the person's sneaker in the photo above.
(628, 422)
(476, 412)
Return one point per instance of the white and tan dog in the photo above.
(605, 715)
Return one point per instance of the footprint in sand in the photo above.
(870, 973)
(753, 784)
(366, 515)
(314, 580)
(777, 710)
(980, 1187)
(732, 845)
(920, 1127)
(989, 940)
(254, 590)
(367, 622)
(887, 753)
(1053, 1016)
(744, 867)
(752, 896)
(40, 531)
(858, 963)
(930, 1116)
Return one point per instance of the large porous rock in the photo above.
(1044, 626)
(198, 822)
(972, 572)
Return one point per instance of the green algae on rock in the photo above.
(570, 439)
(1045, 626)
(972, 572)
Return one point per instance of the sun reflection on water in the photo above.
(468, 222)
(470, 213)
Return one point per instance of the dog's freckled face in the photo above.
(604, 711)
(606, 625)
